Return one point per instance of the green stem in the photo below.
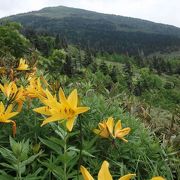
(115, 145)
(81, 145)
(65, 151)
(35, 124)
(19, 172)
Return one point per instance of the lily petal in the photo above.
(86, 174)
(73, 99)
(104, 133)
(70, 123)
(55, 117)
(125, 140)
(118, 127)
(10, 115)
(127, 177)
(104, 173)
(123, 132)
(80, 110)
(158, 178)
(43, 110)
(110, 125)
(2, 107)
(62, 96)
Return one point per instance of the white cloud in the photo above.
(163, 11)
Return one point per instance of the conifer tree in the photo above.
(88, 59)
(58, 44)
(61, 42)
(64, 42)
(113, 74)
(67, 68)
(104, 68)
(128, 76)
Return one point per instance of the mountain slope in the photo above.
(102, 31)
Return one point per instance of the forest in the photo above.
(102, 32)
(70, 111)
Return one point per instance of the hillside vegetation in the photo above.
(102, 32)
(73, 112)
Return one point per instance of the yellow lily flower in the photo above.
(35, 89)
(15, 94)
(158, 178)
(107, 129)
(9, 90)
(20, 98)
(22, 65)
(6, 114)
(32, 74)
(65, 109)
(103, 174)
(50, 102)
(103, 130)
(69, 108)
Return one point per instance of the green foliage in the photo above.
(104, 68)
(114, 74)
(60, 42)
(128, 75)
(18, 157)
(141, 149)
(146, 82)
(105, 33)
(12, 42)
(45, 45)
(117, 88)
(88, 59)
(120, 58)
(57, 61)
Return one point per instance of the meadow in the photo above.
(72, 115)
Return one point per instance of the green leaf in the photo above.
(6, 177)
(20, 149)
(34, 176)
(30, 159)
(51, 145)
(8, 166)
(59, 131)
(8, 155)
(57, 141)
(84, 152)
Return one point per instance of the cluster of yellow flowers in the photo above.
(58, 109)
(104, 174)
(21, 67)
(107, 129)
(16, 96)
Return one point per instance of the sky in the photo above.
(161, 11)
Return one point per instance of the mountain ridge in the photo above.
(91, 11)
(42, 12)
(86, 25)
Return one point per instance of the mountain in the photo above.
(102, 32)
